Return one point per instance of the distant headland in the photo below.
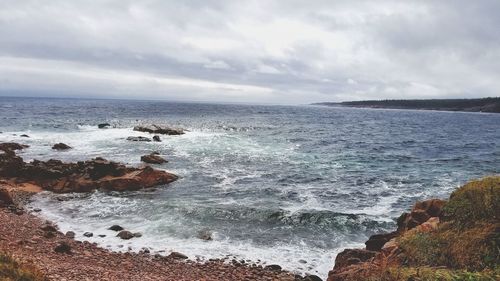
(470, 105)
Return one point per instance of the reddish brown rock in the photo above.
(153, 159)
(352, 256)
(420, 213)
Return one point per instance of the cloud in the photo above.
(255, 51)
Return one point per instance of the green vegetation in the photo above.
(466, 245)
(475, 105)
(436, 274)
(11, 270)
(469, 236)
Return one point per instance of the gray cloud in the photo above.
(256, 51)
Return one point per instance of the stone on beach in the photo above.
(116, 228)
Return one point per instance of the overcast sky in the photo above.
(289, 52)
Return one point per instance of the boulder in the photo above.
(88, 234)
(24, 136)
(156, 138)
(377, 241)
(352, 256)
(116, 228)
(61, 146)
(157, 129)
(177, 256)
(11, 146)
(138, 139)
(420, 213)
(70, 234)
(103, 125)
(153, 159)
(312, 278)
(137, 234)
(273, 267)
(205, 235)
(126, 235)
(63, 247)
(5, 197)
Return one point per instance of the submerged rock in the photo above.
(156, 138)
(88, 234)
(103, 125)
(138, 139)
(24, 136)
(61, 146)
(126, 235)
(153, 159)
(157, 129)
(116, 228)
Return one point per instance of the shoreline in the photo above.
(24, 237)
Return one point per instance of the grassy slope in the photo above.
(465, 247)
(11, 270)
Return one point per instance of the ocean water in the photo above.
(287, 185)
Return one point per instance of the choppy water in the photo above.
(280, 184)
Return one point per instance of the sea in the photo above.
(286, 185)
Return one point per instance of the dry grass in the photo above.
(469, 239)
(11, 270)
(436, 274)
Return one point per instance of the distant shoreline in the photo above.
(491, 105)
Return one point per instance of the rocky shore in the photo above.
(29, 240)
(457, 239)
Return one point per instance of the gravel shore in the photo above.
(28, 239)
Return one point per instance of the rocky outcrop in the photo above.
(441, 238)
(61, 146)
(83, 176)
(153, 158)
(157, 129)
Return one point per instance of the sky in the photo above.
(282, 52)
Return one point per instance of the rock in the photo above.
(126, 235)
(156, 129)
(49, 234)
(83, 176)
(377, 241)
(420, 213)
(24, 136)
(88, 234)
(137, 234)
(153, 159)
(273, 267)
(156, 138)
(49, 228)
(116, 228)
(70, 234)
(177, 256)
(138, 139)
(5, 197)
(205, 235)
(37, 210)
(103, 125)
(61, 146)
(352, 256)
(11, 146)
(63, 247)
(144, 251)
(101, 235)
(303, 261)
(312, 278)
